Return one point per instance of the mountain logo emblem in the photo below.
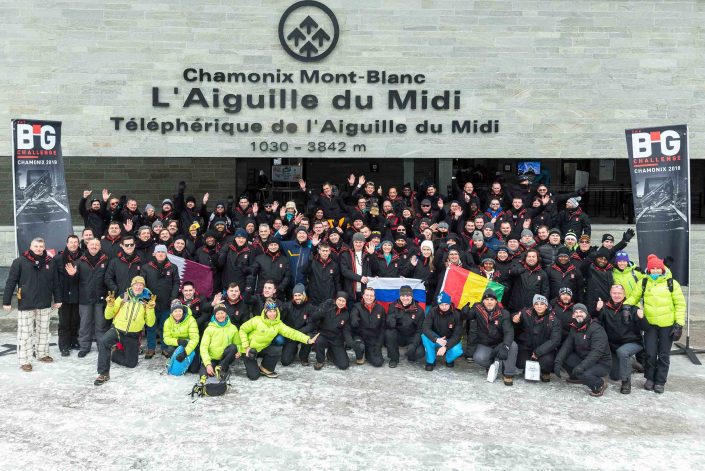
(308, 31)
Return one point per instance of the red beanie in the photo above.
(652, 261)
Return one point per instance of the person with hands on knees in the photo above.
(367, 319)
(442, 331)
(491, 335)
(220, 346)
(130, 314)
(585, 353)
(181, 330)
(332, 321)
(256, 336)
(404, 324)
(540, 336)
(664, 310)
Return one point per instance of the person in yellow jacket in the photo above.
(129, 313)
(664, 310)
(625, 273)
(256, 337)
(220, 345)
(181, 329)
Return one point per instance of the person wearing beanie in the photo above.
(570, 240)
(564, 273)
(597, 272)
(424, 268)
(367, 321)
(623, 327)
(549, 249)
(562, 306)
(167, 211)
(664, 310)
(540, 336)
(355, 266)
(585, 354)
(298, 252)
(220, 346)
(527, 278)
(256, 340)
(332, 321)
(150, 215)
(480, 250)
(235, 259)
(296, 314)
(181, 330)
(403, 327)
(625, 272)
(157, 227)
(129, 313)
(162, 279)
(271, 265)
(491, 335)
(574, 219)
(491, 240)
(442, 332)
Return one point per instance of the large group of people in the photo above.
(291, 278)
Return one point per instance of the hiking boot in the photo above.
(508, 380)
(304, 362)
(318, 366)
(27, 367)
(545, 377)
(468, 359)
(267, 373)
(165, 354)
(46, 359)
(626, 387)
(393, 364)
(450, 364)
(659, 388)
(65, 352)
(570, 380)
(649, 385)
(430, 366)
(82, 353)
(600, 391)
(75, 346)
(360, 361)
(101, 379)
(149, 355)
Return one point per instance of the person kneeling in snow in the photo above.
(181, 330)
(442, 329)
(586, 352)
(256, 337)
(220, 345)
(130, 313)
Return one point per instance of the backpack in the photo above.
(177, 368)
(644, 280)
(213, 386)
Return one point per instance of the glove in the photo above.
(557, 369)
(231, 199)
(181, 187)
(152, 301)
(502, 352)
(628, 235)
(181, 356)
(110, 298)
(182, 342)
(578, 371)
(676, 332)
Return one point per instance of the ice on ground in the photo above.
(366, 417)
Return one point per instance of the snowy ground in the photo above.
(407, 418)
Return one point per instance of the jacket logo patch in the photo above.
(168, 273)
(342, 322)
(413, 316)
(450, 326)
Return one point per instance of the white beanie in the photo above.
(427, 243)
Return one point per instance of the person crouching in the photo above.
(220, 345)
(181, 330)
(442, 330)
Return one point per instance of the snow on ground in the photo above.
(366, 417)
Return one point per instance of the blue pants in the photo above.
(431, 347)
(158, 327)
(278, 341)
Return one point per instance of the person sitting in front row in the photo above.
(181, 330)
(220, 345)
(442, 330)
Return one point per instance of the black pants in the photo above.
(368, 347)
(337, 348)
(195, 364)
(270, 356)
(225, 361)
(545, 361)
(394, 339)
(290, 349)
(126, 357)
(657, 347)
(69, 320)
(592, 377)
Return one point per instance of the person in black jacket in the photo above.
(332, 321)
(387, 263)
(94, 215)
(563, 273)
(201, 310)
(90, 272)
(110, 243)
(491, 335)
(623, 328)
(528, 279)
(271, 265)
(239, 311)
(562, 306)
(598, 277)
(323, 274)
(69, 319)
(235, 258)
(540, 336)
(367, 320)
(162, 279)
(355, 266)
(297, 313)
(123, 268)
(442, 331)
(208, 255)
(36, 283)
(585, 353)
(404, 325)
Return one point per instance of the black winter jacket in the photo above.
(36, 281)
(120, 272)
(589, 342)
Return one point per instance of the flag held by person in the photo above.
(465, 287)
(387, 290)
(200, 275)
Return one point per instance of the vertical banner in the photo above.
(658, 161)
(39, 187)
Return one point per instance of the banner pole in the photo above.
(14, 190)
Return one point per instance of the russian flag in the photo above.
(200, 275)
(387, 290)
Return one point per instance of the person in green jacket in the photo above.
(181, 329)
(220, 345)
(129, 313)
(664, 309)
(256, 337)
(625, 273)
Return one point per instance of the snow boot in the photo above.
(101, 379)
(626, 386)
(659, 388)
(149, 355)
(649, 385)
(508, 380)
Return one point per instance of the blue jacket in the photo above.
(299, 256)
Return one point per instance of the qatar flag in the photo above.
(200, 275)
(387, 290)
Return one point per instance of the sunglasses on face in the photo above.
(129, 245)
(425, 205)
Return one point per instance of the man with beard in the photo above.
(332, 321)
(562, 306)
(367, 320)
(271, 265)
(598, 277)
(564, 274)
(296, 314)
(528, 279)
(90, 272)
(162, 279)
(219, 212)
(242, 210)
(123, 268)
(69, 318)
(94, 214)
(323, 274)
(298, 252)
(540, 336)
(208, 255)
(235, 258)
(404, 326)
(36, 283)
